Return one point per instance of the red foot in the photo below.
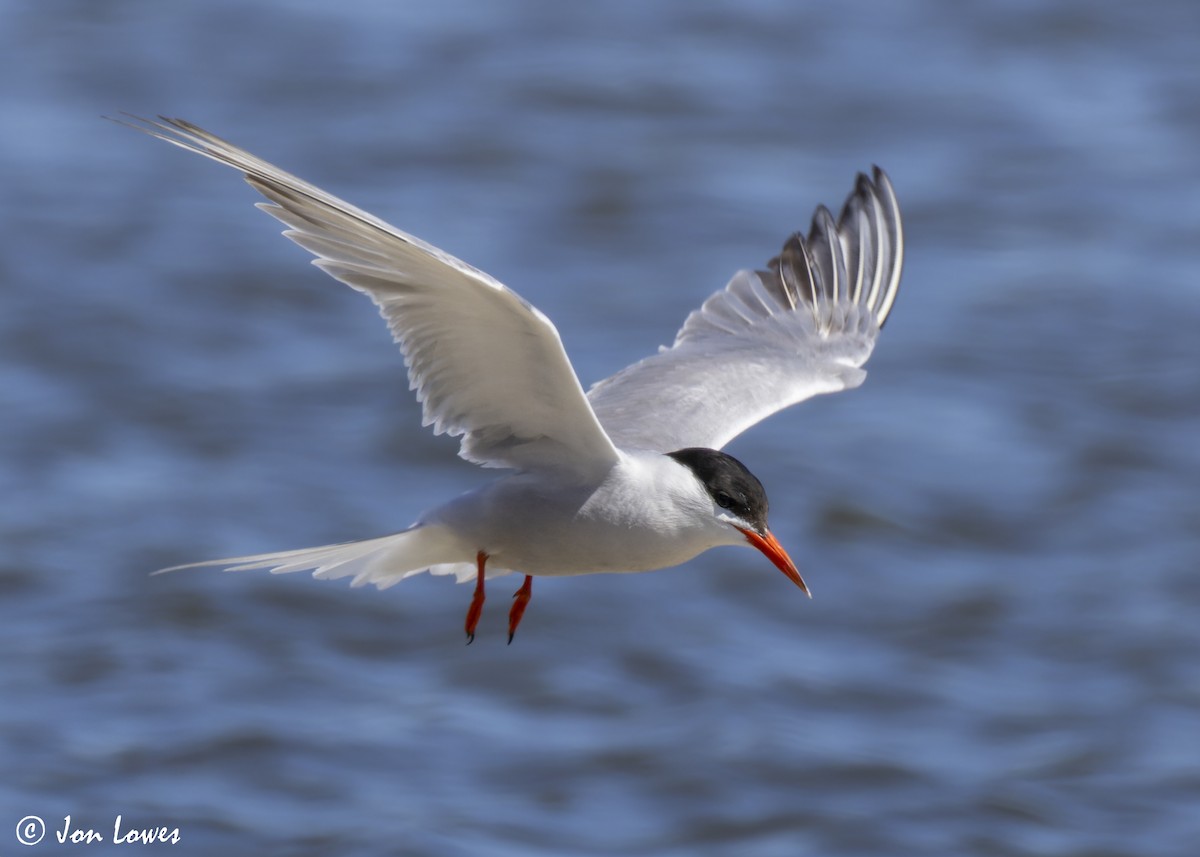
(520, 602)
(476, 608)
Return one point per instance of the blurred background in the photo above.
(1001, 527)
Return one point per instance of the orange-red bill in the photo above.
(769, 545)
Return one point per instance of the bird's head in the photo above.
(739, 501)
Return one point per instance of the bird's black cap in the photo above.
(728, 482)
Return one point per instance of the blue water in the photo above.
(1001, 527)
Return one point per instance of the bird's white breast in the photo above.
(647, 512)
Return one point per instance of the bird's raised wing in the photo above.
(484, 363)
(770, 338)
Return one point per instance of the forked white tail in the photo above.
(384, 561)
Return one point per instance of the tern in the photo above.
(625, 477)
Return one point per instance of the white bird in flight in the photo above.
(627, 476)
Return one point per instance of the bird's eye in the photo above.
(724, 500)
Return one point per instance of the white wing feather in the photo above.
(770, 338)
(484, 363)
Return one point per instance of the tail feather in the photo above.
(383, 561)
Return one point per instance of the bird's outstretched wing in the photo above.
(485, 364)
(770, 338)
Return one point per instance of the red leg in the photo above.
(476, 608)
(520, 601)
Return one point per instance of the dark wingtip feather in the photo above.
(855, 257)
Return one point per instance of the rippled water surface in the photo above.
(1001, 528)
